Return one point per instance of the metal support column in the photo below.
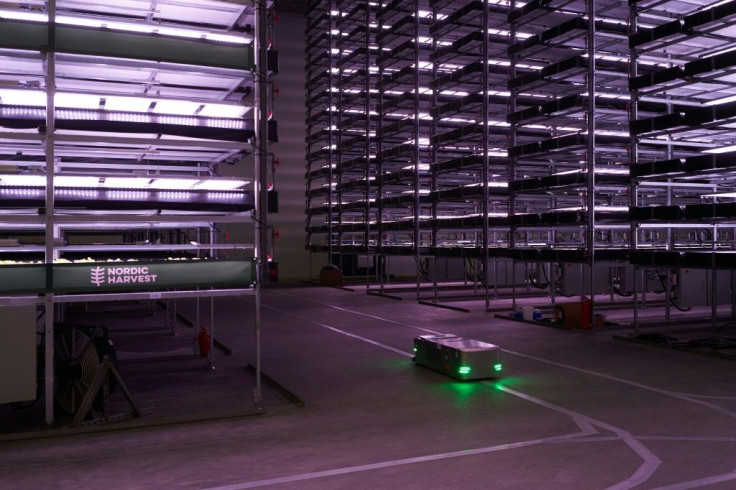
(331, 138)
(434, 179)
(591, 150)
(49, 217)
(369, 208)
(485, 152)
(416, 134)
(261, 172)
(511, 211)
(633, 157)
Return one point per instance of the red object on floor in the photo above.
(203, 338)
(585, 310)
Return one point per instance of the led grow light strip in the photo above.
(723, 100)
(722, 195)
(125, 104)
(490, 184)
(147, 182)
(723, 149)
(678, 224)
(596, 208)
(600, 171)
(472, 215)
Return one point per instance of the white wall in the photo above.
(290, 111)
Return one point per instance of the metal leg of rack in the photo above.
(211, 353)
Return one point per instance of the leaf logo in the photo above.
(97, 276)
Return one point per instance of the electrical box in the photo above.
(355, 265)
(648, 279)
(273, 61)
(273, 271)
(446, 269)
(694, 287)
(365, 261)
(501, 272)
(400, 266)
(273, 201)
(458, 357)
(575, 279)
(17, 353)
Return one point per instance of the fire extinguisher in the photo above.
(203, 339)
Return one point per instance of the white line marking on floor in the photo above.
(687, 438)
(703, 482)
(645, 470)
(708, 397)
(343, 332)
(642, 474)
(376, 317)
(673, 394)
(585, 425)
(594, 439)
(692, 398)
(368, 315)
(396, 462)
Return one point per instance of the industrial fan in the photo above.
(79, 353)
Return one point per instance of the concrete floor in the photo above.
(573, 410)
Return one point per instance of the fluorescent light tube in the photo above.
(127, 104)
(23, 180)
(219, 185)
(723, 149)
(178, 107)
(23, 97)
(112, 182)
(173, 184)
(75, 181)
(126, 182)
(222, 110)
(673, 225)
(720, 195)
(77, 101)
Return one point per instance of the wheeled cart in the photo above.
(458, 357)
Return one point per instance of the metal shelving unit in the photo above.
(340, 121)
(492, 141)
(118, 122)
(469, 138)
(366, 110)
(569, 190)
(682, 150)
(354, 182)
(402, 149)
(321, 129)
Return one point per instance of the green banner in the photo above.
(103, 277)
(23, 279)
(111, 277)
